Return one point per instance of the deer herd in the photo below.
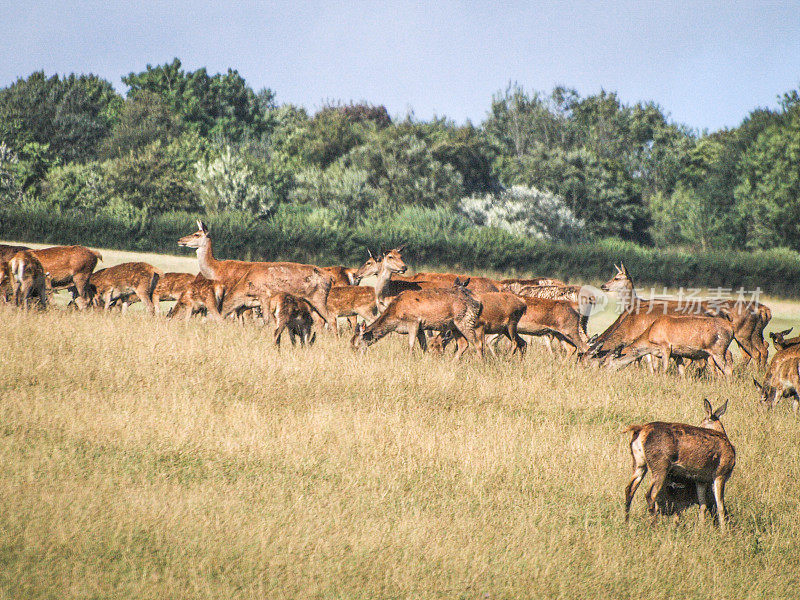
(688, 464)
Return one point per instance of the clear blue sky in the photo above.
(706, 63)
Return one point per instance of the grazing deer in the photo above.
(556, 318)
(28, 279)
(70, 265)
(246, 281)
(684, 337)
(118, 283)
(169, 288)
(702, 454)
(779, 339)
(638, 315)
(530, 281)
(415, 311)
(294, 315)
(499, 316)
(202, 296)
(781, 381)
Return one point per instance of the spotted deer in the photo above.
(116, 284)
(70, 266)
(294, 315)
(202, 296)
(702, 454)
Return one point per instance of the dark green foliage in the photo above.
(210, 104)
(142, 119)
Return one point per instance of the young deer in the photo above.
(351, 301)
(294, 315)
(28, 279)
(117, 283)
(202, 295)
(779, 339)
(247, 281)
(781, 381)
(414, 311)
(702, 454)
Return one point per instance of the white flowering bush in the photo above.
(525, 211)
(227, 183)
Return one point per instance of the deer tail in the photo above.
(97, 254)
(632, 432)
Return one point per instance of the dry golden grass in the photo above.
(143, 458)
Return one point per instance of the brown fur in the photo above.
(341, 275)
(558, 318)
(202, 295)
(7, 251)
(245, 281)
(294, 315)
(702, 454)
(351, 301)
(70, 265)
(6, 286)
(28, 279)
(693, 338)
(117, 283)
(415, 311)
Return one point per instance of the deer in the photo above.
(70, 266)
(6, 287)
(342, 275)
(117, 283)
(294, 315)
(244, 281)
(556, 318)
(781, 381)
(413, 312)
(638, 315)
(779, 339)
(203, 295)
(529, 281)
(7, 251)
(28, 279)
(684, 337)
(702, 454)
(581, 297)
(169, 288)
(351, 301)
(499, 316)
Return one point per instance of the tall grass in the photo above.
(437, 238)
(141, 458)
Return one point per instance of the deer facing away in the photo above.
(702, 454)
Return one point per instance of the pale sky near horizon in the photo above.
(707, 64)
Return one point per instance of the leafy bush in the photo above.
(525, 211)
(75, 185)
(226, 182)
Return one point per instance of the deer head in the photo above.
(712, 417)
(620, 282)
(391, 260)
(196, 240)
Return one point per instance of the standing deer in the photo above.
(28, 279)
(292, 314)
(69, 265)
(117, 283)
(415, 311)
(684, 337)
(202, 296)
(6, 286)
(7, 251)
(638, 314)
(351, 301)
(342, 275)
(247, 281)
(702, 454)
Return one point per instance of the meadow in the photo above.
(144, 458)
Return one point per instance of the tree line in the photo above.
(552, 166)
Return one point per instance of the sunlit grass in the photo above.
(144, 458)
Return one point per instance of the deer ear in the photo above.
(401, 247)
(721, 410)
(370, 254)
(707, 407)
(202, 226)
(624, 269)
(758, 385)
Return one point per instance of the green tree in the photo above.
(141, 120)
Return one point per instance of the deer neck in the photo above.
(381, 327)
(384, 276)
(209, 266)
(629, 297)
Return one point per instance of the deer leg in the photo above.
(352, 321)
(719, 499)
(720, 365)
(681, 366)
(701, 487)
(413, 330)
(319, 302)
(659, 478)
(461, 344)
(143, 293)
(638, 474)
(422, 339)
(518, 344)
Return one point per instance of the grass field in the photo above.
(142, 458)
